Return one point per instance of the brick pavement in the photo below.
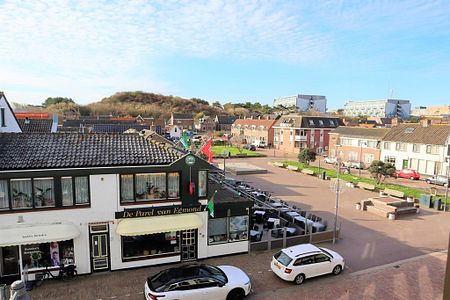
(417, 278)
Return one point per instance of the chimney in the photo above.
(394, 122)
(426, 122)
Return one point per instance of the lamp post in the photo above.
(338, 190)
(446, 188)
(360, 156)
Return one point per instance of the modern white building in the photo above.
(303, 102)
(422, 147)
(386, 108)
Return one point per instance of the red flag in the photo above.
(207, 150)
(191, 188)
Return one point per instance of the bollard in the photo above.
(18, 291)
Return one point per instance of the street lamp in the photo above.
(360, 156)
(446, 188)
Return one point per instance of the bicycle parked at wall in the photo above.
(65, 273)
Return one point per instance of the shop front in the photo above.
(26, 249)
(160, 234)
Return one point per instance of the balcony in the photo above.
(300, 138)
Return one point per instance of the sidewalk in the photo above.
(421, 277)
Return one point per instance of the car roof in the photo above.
(301, 250)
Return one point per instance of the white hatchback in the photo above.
(305, 261)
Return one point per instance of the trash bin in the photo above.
(437, 203)
(3, 295)
(323, 176)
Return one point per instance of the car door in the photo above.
(212, 289)
(186, 290)
(323, 264)
(305, 265)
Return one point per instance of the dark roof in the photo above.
(374, 133)
(35, 125)
(20, 151)
(416, 133)
(182, 116)
(299, 121)
(117, 128)
(226, 119)
(85, 122)
(225, 195)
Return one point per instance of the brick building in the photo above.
(254, 130)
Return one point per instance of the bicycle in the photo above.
(66, 273)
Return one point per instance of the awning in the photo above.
(150, 225)
(26, 233)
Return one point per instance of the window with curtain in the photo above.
(4, 194)
(81, 190)
(238, 228)
(67, 191)
(202, 183)
(126, 188)
(173, 183)
(44, 195)
(21, 193)
(151, 186)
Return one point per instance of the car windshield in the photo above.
(216, 273)
(283, 258)
(326, 252)
(159, 282)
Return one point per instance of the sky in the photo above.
(227, 51)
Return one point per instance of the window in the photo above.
(304, 261)
(231, 229)
(400, 146)
(432, 149)
(321, 258)
(387, 145)
(416, 148)
(4, 203)
(75, 186)
(173, 182)
(2, 117)
(43, 192)
(47, 254)
(21, 193)
(126, 188)
(390, 160)
(320, 122)
(146, 246)
(202, 183)
(352, 156)
(372, 144)
(345, 142)
(151, 186)
(368, 158)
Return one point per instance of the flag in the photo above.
(207, 150)
(184, 141)
(191, 188)
(210, 205)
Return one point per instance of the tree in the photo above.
(55, 100)
(306, 156)
(216, 104)
(379, 170)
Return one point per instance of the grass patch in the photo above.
(217, 151)
(409, 192)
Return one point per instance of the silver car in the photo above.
(439, 180)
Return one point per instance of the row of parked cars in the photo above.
(203, 281)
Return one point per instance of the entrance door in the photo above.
(405, 164)
(189, 244)
(99, 240)
(10, 261)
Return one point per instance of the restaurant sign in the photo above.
(158, 211)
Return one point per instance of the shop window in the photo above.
(150, 186)
(173, 183)
(4, 203)
(47, 254)
(146, 246)
(21, 193)
(238, 228)
(126, 188)
(217, 231)
(43, 192)
(202, 183)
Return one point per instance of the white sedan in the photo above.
(198, 281)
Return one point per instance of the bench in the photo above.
(278, 164)
(365, 203)
(406, 210)
(307, 172)
(366, 186)
(383, 211)
(394, 193)
(292, 168)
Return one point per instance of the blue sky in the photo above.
(230, 51)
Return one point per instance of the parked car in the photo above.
(197, 138)
(198, 281)
(262, 144)
(354, 164)
(407, 173)
(250, 147)
(439, 180)
(300, 262)
(330, 160)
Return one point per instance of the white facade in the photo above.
(303, 102)
(426, 159)
(8, 122)
(387, 108)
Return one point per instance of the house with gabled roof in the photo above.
(254, 131)
(223, 122)
(8, 121)
(419, 146)
(183, 121)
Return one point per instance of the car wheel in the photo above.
(236, 294)
(299, 279)
(445, 184)
(337, 270)
(427, 181)
(412, 178)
